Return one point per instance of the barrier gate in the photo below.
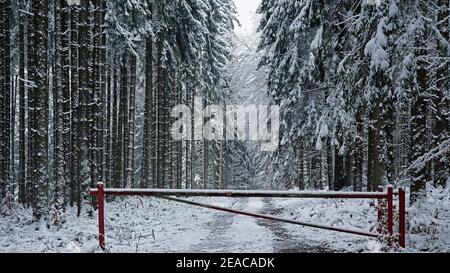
(384, 197)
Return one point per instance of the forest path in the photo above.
(286, 241)
(229, 232)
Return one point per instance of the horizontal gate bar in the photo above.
(269, 217)
(242, 193)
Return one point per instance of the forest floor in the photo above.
(153, 225)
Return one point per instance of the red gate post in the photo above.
(402, 216)
(390, 210)
(101, 215)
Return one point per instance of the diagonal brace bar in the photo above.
(268, 217)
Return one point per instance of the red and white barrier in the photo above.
(385, 206)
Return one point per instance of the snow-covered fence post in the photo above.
(402, 216)
(101, 215)
(390, 210)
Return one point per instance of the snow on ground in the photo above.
(153, 225)
(351, 214)
(132, 225)
(429, 222)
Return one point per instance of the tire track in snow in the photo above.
(284, 240)
(229, 232)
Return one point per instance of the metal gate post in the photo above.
(390, 210)
(402, 216)
(101, 215)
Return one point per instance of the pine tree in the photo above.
(66, 127)
(103, 99)
(122, 130)
(5, 96)
(115, 171)
(74, 197)
(38, 108)
(381, 113)
(59, 163)
(148, 118)
(419, 106)
(440, 100)
(85, 91)
(23, 18)
(130, 165)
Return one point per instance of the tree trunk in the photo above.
(5, 96)
(58, 126)
(388, 117)
(131, 121)
(66, 95)
(148, 118)
(22, 172)
(160, 157)
(85, 91)
(115, 171)
(38, 109)
(375, 170)
(339, 172)
(419, 116)
(358, 154)
(301, 173)
(104, 153)
(122, 121)
(74, 94)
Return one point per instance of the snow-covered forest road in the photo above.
(229, 232)
(284, 240)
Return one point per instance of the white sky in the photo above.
(246, 10)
